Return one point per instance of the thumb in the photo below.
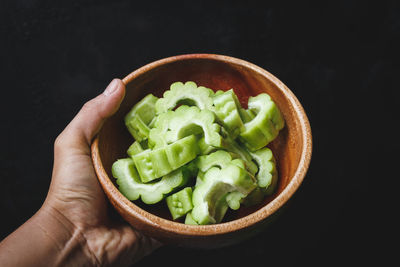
(81, 130)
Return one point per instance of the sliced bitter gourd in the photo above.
(152, 164)
(180, 203)
(140, 116)
(266, 124)
(209, 195)
(234, 199)
(184, 121)
(218, 92)
(267, 175)
(227, 110)
(137, 147)
(219, 159)
(246, 115)
(160, 128)
(231, 145)
(187, 94)
(205, 148)
(132, 188)
(234, 168)
(189, 219)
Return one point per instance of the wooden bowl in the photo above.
(292, 148)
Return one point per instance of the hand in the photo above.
(75, 211)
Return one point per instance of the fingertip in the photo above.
(94, 112)
(114, 86)
(114, 94)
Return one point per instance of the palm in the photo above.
(80, 198)
(79, 191)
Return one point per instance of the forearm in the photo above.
(46, 239)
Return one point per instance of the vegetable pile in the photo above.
(200, 151)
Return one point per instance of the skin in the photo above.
(74, 226)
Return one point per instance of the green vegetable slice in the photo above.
(234, 199)
(231, 145)
(219, 159)
(137, 147)
(209, 195)
(187, 94)
(174, 125)
(180, 202)
(189, 219)
(160, 127)
(140, 116)
(152, 164)
(219, 92)
(199, 178)
(227, 110)
(265, 126)
(233, 167)
(219, 209)
(132, 188)
(191, 120)
(205, 148)
(246, 115)
(267, 175)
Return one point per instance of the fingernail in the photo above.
(111, 88)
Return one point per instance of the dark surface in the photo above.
(339, 59)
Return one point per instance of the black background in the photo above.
(339, 58)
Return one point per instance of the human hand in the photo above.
(75, 196)
(74, 226)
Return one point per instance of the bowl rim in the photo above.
(225, 227)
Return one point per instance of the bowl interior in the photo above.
(114, 139)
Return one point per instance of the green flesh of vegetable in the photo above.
(220, 176)
(227, 110)
(265, 126)
(180, 203)
(174, 125)
(189, 219)
(188, 94)
(209, 197)
(267, 173)
(221, 159)
(229, 144)
(234, 199)
(141, 115)
(267, 176)
(246, 114)
(136, 148)
(152, 164)
(132, 187)
(202, 141)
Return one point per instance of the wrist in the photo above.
(67, 238)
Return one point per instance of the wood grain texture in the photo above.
(292, 148)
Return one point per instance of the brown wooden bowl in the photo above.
(292, 148)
